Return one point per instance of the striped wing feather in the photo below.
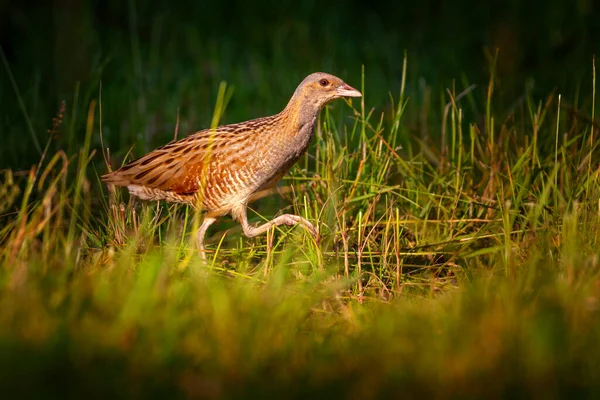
(179, 166)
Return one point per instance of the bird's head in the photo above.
(320, 88)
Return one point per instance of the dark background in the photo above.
(155, 59)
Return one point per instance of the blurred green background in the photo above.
(155, 59)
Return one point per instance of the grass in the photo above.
(462, 261)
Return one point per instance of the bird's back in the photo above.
(212, 169)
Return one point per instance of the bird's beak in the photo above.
(345, 90)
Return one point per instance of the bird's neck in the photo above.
(302, 112)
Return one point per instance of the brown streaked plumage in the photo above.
(220, 170)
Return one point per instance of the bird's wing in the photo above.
(179, 166)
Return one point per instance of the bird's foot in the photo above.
(291, 220)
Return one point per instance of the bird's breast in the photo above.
(282, 153)
(233, 177)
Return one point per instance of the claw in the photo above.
(318, 239)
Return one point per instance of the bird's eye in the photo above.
(324, 82)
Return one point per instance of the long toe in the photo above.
(310, 228)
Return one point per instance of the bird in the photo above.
(221, 170)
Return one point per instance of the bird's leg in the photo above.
(208, 221)
(239, 214)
